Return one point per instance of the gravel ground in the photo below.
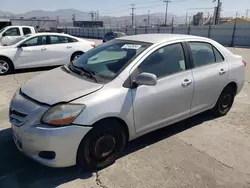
(198, 152)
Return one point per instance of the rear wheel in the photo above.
(102, 145)
(76, 55)
(6, 66)
(225, 102)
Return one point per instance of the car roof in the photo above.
(157, 38)
(48, 33)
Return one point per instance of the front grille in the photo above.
(17, 117)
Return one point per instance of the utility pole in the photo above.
(133, 14)
(97, 15)
(73, 17)
(148, 18)
(58, 20)
(166, 15)
(217, 12)
(247, 13)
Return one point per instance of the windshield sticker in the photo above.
(131, 46)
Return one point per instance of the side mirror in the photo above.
(147, 79)
(4, 34)
(22, 45)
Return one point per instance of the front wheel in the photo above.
(76, 56)
(224, 103)
(102, 145)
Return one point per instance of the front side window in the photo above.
(165, 61)
(36, 41)
(109, 59)
(12, 32)
(204, 54)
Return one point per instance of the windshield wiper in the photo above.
(84, 72)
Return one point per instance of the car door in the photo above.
(32, 53)
(60, 50)
(169, 100)
(210, 73)
(12, 32)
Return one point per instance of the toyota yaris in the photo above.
(86, 111)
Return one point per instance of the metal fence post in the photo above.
(189, 28)
(93, 32)
(136, 31)
(146, 30)
(80, 32)
(209, 30)
(98, 33)
(234, 29)
(126, 31)
(172, 24)
(88, 31)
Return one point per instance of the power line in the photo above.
(166, 15)
(247, 13)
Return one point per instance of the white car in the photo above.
(41, 50)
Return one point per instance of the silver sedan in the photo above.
(86, 111)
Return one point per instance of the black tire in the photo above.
(7, 64)
(102, 145)
(75, 55)
(224, 103)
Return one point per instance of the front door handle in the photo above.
(186, 82)
(69, 47)
(44, 49)
(222, 71)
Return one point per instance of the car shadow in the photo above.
(21, 71)
(16, 170)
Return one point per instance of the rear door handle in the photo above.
(186, 82)
(69, 47)
(222, 71)
(44, 49)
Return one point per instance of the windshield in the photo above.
(14, 41)
(109, 59)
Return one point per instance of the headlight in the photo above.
(62, 114)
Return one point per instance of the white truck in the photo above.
(9, 33)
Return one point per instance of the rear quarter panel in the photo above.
(237, 71)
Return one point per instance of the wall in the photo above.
(228, 34)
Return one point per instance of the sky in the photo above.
(121, 8)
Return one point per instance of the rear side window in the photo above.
(218, 56)
(72, 39)
(26, 31)
(204, 54)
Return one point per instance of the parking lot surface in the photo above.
(198, 152)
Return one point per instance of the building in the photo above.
(4, 22)
(238, 21)
(38, 23)
(88, 23)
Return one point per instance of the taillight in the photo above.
(93, 45)
(244, 62)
